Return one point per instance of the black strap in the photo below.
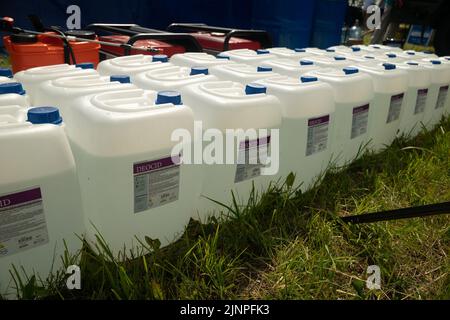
(405, 213)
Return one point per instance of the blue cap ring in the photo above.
(435, 61)
(339, 58)
(263, 69)
(262, 51)
(5, 72)
(41, 115)
(199, 70)
(173, 97)
(120, 78)
(85, 65)
(255, 88)
(389, 66)
(299, 50)
(306, 63)
(304, 79)
(160, 58)
(350, 70)
(12, 87)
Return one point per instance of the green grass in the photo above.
(288, 245)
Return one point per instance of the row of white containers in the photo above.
(105, 166)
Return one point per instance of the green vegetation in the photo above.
(288, 245)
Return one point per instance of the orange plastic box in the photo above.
(28, 51)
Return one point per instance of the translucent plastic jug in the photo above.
(131, 185)
(172, 78)
(248, 56)
(40, 203)
(131, 65)
(242, 73)
(353, 95)
(324, 61)
(307, 126)
(226, 105)
(62, 91)
(195, 59)
(290, 67)
(32, 79)
(286, 53)
(415, 97)
(12, 93)
(390, 85)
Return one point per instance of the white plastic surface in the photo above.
(128, 65)
(241, 73)
(193, 59)
(247, 56)
(290, 67)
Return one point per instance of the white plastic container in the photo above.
(415, 97)
(353, 94)
(12, 93)
(392, 57)
(31, 79)
(242, 73)
(131, 65)
(286, 53)
(195, 59)
(346, 50)
(307, 126)
(315, 51)
(328, 61)
(5, 75)
(438, 93)
(131, 186)
(172, 78)
(40, 203)
(60, 92)
(248, 56)
(223, 105)
(390, 85)
(290, 67)
(446, 113)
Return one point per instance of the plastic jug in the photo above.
(131, 185)
(290, 67)
(438, 93)
(248, 56)
(194, 59)
(172, 78)
(390, 85)
(415, 97)
(5, 75)
(131, 65)
(353, 95)
(222, 106)
(345, 50)
(306, 131)
(40, 203)
(316, 51)
(62, 91)
(447, 107)
(12, 93)
(324, 61)
(242, 73)
(32, 79)
(286, 53)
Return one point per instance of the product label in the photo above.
(317, 134)
(22, 221)
(360, 121)
(441, 97)
(395, 107)
(251, 152)
(421, 100)
(156, 183)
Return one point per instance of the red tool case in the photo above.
(132, 34)
(218, 39)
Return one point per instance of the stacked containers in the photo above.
(31, 79)
(131, 65)
(223, 105)
(40, 203)
(194, 59)
(286, 53)
(248, 56)
(291, 67)
(12, 93)
(332, 61)
(353, 94)
(132, 183)
(306, 131)
(390, 85)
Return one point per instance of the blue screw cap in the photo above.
(391, 55)
(339, 58)
(264, 69)
(331, 50)
(350, 70)
(120, 78)
(389, 66)
(199, 70)
(262, 51)
(435, 62)
(42, 115)
(85, 65)
(5, 72)
(222, 56)
(308, 79)
(254, 88)
(173, 97)
(11, 87)
(356, 49)
(306, 63)
(299, 50)
(369, 57)
(160, 58)
(411, 53)
(412, 63)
